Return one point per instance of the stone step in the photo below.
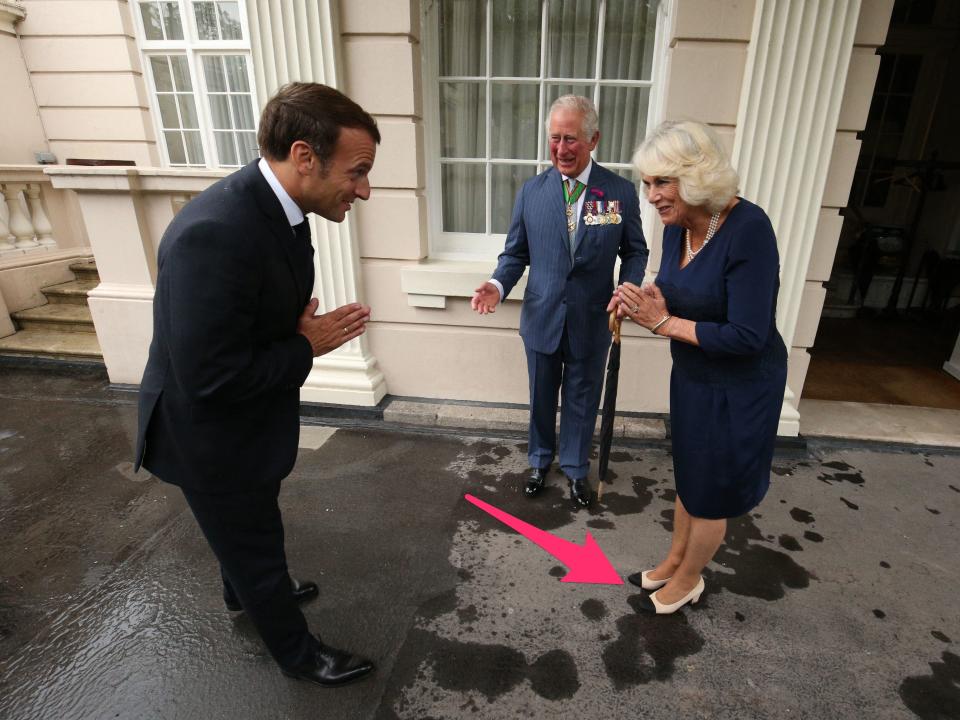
(58, 317)
(57, 345)
(73, 292)
(86, 271)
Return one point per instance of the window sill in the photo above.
(430, 283)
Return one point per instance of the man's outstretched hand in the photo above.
(331, 330)
(485, 298)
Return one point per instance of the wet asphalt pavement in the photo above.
(836, 598)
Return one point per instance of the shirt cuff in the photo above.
(498, 286)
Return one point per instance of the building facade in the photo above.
(172, 88)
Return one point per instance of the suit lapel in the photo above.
(556, 206)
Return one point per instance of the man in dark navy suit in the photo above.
(569, 225)
(234, 337)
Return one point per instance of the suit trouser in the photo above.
(245, 532)
(581, 381)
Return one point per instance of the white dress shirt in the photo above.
(293, 212)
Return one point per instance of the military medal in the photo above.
(615, 217)
(571, 200)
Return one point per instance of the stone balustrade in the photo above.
(24, 224)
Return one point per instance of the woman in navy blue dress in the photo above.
(715, 297)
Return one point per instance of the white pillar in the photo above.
(41, 224)
(786, 126)
(298, 41)
(6, 239)
(18, 221)
(122, 304)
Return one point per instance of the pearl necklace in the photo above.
(711, 231)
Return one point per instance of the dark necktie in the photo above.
(572, 190)
(304, 255)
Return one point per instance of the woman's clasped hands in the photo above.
(645, 305)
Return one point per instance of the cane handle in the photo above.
(614, 324)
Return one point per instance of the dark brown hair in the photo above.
(313, 113)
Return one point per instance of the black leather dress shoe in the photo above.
(331, 667)
(535, 481)
(580, 492)
(302, 591)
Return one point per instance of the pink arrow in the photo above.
(587, 563)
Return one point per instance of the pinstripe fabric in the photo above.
(562, 293)
(566, 300)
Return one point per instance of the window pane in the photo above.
(226, 152)
(194, 147)
(629, 31)
(623, 122)
(181, 73)
(462, 126)
(168, 111)
(572, 38)
(175, 148)
(516, 38)
(161, 73)
(242, 112)
(152, 29)
(188, 111)
(555, 91)
(505, 184)
(220, 112)
(213, 73)
(463, 44)
(514, 121)
(463, 198)
(237, 73)
(206, 16)
(171, 20)
(248, 147)
(229, 20)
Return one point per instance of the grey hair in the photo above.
(588, 111)
(692, 153)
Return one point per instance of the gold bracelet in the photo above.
(662, 321)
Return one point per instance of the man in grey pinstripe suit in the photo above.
(569, 225)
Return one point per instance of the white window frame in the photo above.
(194, 49)
(485, 246)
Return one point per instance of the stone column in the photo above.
(291, 41)
(41, 224)
(6, 244)
(122, 304)
(786, 128)
(18, 221)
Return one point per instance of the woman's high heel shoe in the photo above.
(651, 604)
(643, 580)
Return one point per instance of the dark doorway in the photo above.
(892, 312)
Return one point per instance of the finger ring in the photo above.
(635, 308)
(344, 331)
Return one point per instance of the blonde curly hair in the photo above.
(690, 152)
